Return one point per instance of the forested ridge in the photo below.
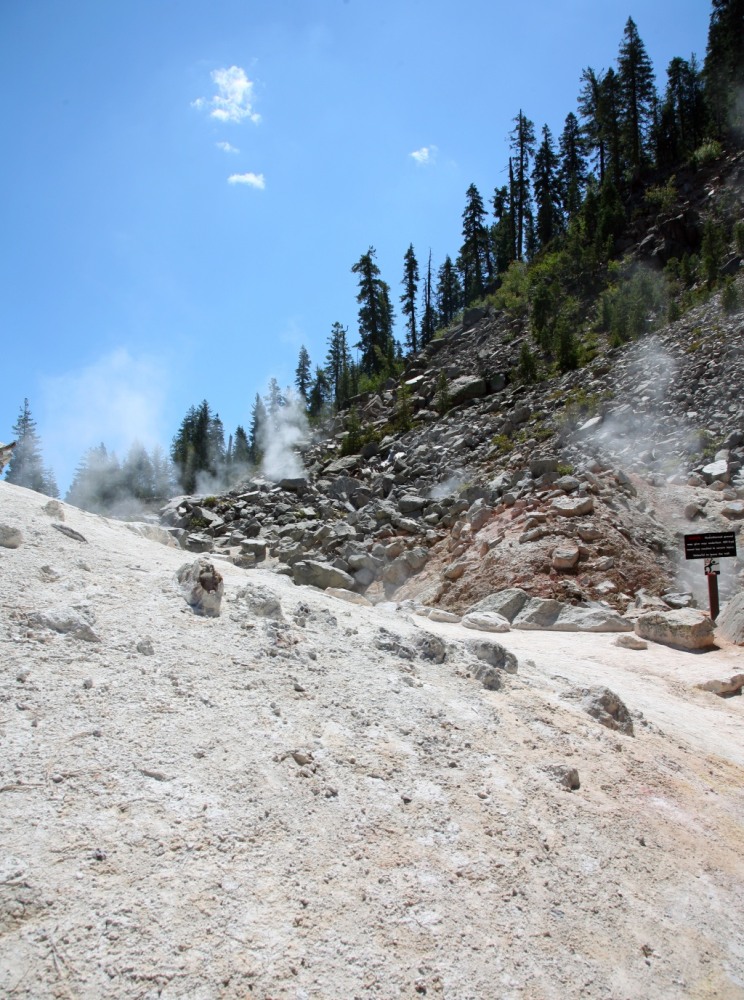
(550, 247)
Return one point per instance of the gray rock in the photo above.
(538, 613)
(565, 557)
(318, 574)
(716, 472)
(486, 621)
(254, 547)
(573, 507)
(440, 615)
(494, 654)
(202, 587)
(66, 621)
(431, 647)
(730, 623)
(465, 388)
(683, 628)
(410, 503)
(608, 709)
(630, 641)
(506, 602)
(10, 537)
(733, 511)
(724, 688)
(596, 619)
(565, 775)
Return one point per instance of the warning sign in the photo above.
(711, 545)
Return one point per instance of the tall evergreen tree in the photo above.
(723, 70)
(638, 97)
(502, 236)
(241, 454)
(302, 373)
(474, 260)
(428, 315)
(408, 298)
(522, 144)
(572, 166)
(199, 446)
(26, 466)
(449, 292)
(137, 474)
(320, 393)
(548, 218)
(275, 399)
(592, 108)
(257, 429)
(162, 474)
(681, 125)
(96, 485)
(338, 366)
(375, 316)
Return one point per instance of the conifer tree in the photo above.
(572, 166)
(302, 373)
(522, 144)
(275, 399)
(502, 234)
(199, 446)
(474, 260)
(375, 316)
(259, 420)
(638, 97)
(408, 298)
(723, 70)
(96, 485)
(338, 366)
(428, 316)
(320, 393)
(592, 108)
(449, 292)
(26, 466)
(548, 219)
(137, 475)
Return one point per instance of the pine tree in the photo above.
(199, 446)
(408, 298)
(274, 400)
(592, 109)
(522, 143)
(97, 483)
(320, 393)
(302, 373)
(503, 237)
(474, 260)
(375, 316)
(548, 220)
(572, 168)
(638, 97)
(162, 474)
(723, 70)
(449, 292)
(428, 316)
(338, 366)
(26, 467)
(137, 474)
(259, 421)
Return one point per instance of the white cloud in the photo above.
(424, 156)
(251, 179)
(117, 400)
(227, 147)
(234, 98)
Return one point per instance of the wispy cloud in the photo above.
(227, 147)
(424, 156)
(251, 179)
(233, 101)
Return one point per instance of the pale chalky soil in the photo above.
(307, 808)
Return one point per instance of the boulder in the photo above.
(202, 587)
(683, 628)
(565, 557)
(349, 596)
(596, 619)
(538, 613)
(494, 654)
(507, 602)
(608, 709)
(321, 575)
(630, 641)
(573, 506)
(67, 621)
(486, 621)
(730, 624)
(10, 537)
(465, 388)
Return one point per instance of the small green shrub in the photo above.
(662, 197)
(730, 297)
(707, 152)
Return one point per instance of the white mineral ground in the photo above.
(258, 810)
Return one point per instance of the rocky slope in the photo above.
(579, 488)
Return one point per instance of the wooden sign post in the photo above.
(711, 546)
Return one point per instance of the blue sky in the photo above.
(186, 184)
